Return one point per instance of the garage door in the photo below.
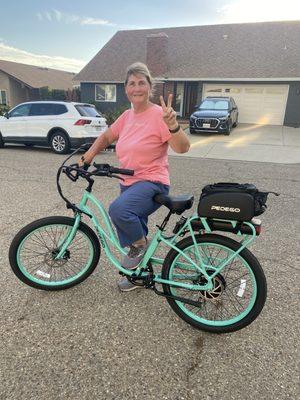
(257, 104)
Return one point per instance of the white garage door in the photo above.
(257, 104)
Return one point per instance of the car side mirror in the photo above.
(6, 115)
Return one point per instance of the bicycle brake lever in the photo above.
(70, 173)
(116, 176)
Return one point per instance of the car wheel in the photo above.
(235, 124)
(192, 131)
(1, 141)
(227, 132)
(60, 143)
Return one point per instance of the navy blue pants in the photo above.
(130, 211)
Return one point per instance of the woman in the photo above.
(143, 134)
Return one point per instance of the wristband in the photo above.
(177, 129)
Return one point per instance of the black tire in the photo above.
(192, 131)
(1, 141)
(43, 249)
(60, 143)
(210, 299)
(235, 124)
(228, 131)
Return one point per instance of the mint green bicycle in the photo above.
(211, 281)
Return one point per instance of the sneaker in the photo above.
(134, 257)
(126, 286)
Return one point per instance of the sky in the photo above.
(66, 34)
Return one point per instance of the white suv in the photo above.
(59, 124)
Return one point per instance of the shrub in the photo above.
(112, 115)
(3, 109)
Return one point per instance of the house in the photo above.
(22, 82)
(258, 64)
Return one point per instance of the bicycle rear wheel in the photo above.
(239, 290)
(33, 250)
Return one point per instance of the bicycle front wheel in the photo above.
(33, 250)
(239, 289)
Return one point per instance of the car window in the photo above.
(58, 109)
(87, 111)
(20, 111)
(214, 105)
(41, 109)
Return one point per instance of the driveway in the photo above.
(266, 143)
(93, 342)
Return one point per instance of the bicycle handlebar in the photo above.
(73, 172)
(112, 170)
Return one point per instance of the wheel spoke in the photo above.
(223, 303)
(75, 260)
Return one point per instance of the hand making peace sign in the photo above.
(169, 115)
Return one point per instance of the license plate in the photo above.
(206, 125)
(99, 128)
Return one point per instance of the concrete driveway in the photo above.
(265, 143)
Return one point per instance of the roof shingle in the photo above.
(247, 51)
(37, 77)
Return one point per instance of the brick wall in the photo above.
(157, 54)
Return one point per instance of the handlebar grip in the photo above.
(122, 171)
(127, 172)
(113, 170)
(101, 166)
(85, 166)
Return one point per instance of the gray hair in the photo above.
(139, 68)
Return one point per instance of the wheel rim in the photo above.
(234, 292)
(58, 143)
(37, 251)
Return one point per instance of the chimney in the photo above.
(157, 54)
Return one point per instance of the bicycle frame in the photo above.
(107, 236)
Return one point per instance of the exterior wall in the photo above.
(157, 54)
(158, 90)
(169, 87)
(88, 96)
(191, 93)
(4, 85)
(199, 95)
(292, 113)
(18, 93)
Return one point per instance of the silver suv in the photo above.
(58, 124)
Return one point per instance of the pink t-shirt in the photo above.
(143, 145)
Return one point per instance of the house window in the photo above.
(216, 90)
(233, 90)
(274, 90)
(105, 92)
(254, 90)
(3, 97)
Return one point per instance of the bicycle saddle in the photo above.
(176, 204)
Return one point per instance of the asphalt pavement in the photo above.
(93, 342)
